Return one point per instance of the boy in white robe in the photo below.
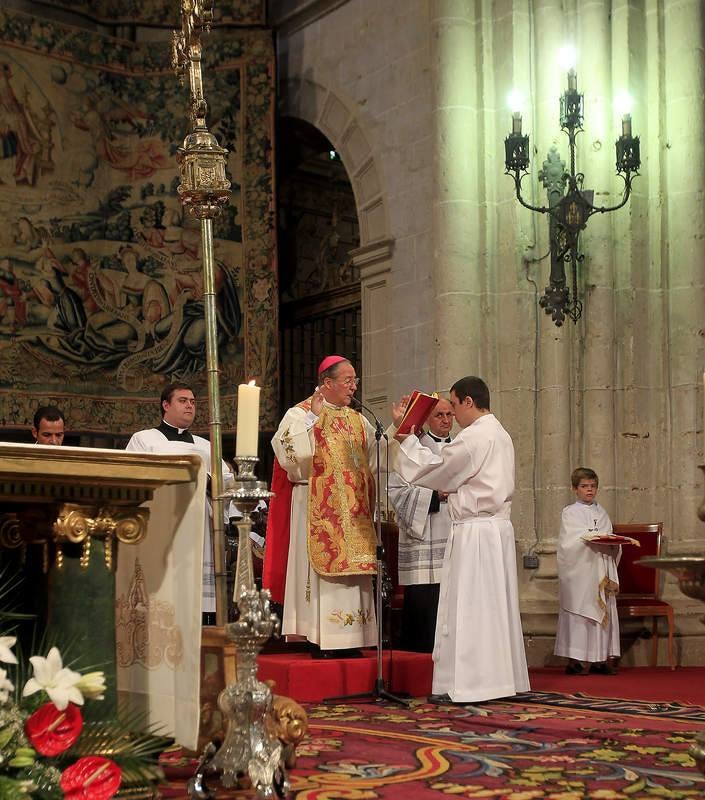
(479, 646)
(588, 625)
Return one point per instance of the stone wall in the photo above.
(361, 75)
(413, 96)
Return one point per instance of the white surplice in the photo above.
(154, 441)
(332, 612)
(479, 647)
(588, 625)
(158, 613)
(422, 536)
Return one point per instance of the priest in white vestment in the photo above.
(424, 523)
(172, 436)
(588, 625)
(479, 647)
(320, 552)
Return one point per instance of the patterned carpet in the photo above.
(539, 746)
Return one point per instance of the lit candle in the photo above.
(247, 419)
(516, 123)
(627, 125)
(572, 80)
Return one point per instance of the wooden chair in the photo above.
(639, 587)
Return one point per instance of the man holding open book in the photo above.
(424, 523)
(321, 543)
(479, 647)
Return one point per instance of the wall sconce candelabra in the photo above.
(569, 205)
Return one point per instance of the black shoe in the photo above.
(327, 654)
(351, 652)
(347, 652)
(602, 668)
(439, 700)
(575, 668)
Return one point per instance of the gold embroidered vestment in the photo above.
(341, 534)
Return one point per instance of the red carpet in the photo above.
(593, 737)
(537, 747)
(684, 685)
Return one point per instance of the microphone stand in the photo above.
(379, 691)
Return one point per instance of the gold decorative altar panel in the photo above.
(101, 292)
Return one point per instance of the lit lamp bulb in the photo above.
(515, 103)
(624, 103)
(567, 58)
(516, 145)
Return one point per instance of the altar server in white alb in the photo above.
(424, 523)
(172, 437)
(588, 625)
(479, 646)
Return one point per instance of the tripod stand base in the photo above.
(378, 695)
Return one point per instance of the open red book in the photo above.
(418, 410)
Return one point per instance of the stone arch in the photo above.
(333, 116)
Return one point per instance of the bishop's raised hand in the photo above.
(317, 401)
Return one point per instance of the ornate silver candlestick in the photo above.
(690, 572)
(247, 493)
(251, 752)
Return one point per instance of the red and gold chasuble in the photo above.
(341, 534)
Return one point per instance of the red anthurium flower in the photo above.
(91, 778)
(52, 731)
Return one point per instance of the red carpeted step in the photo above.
(309, 680)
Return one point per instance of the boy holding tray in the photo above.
(588, 626)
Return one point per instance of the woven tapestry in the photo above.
(161, 12)
(101, 291)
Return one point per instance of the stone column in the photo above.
(554, 407)
(684, 256)
(458, 265)
(593, 338)
(642, 394)
(374, 261)
(515, 308)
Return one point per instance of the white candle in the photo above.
(572, 80)
(626, 125)
(247, 419)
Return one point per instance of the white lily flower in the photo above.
(6, 655)
(92, 685)
(57, 681)
(6, 686)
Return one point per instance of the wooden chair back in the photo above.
(635, 580)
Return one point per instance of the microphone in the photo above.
(362, 406)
